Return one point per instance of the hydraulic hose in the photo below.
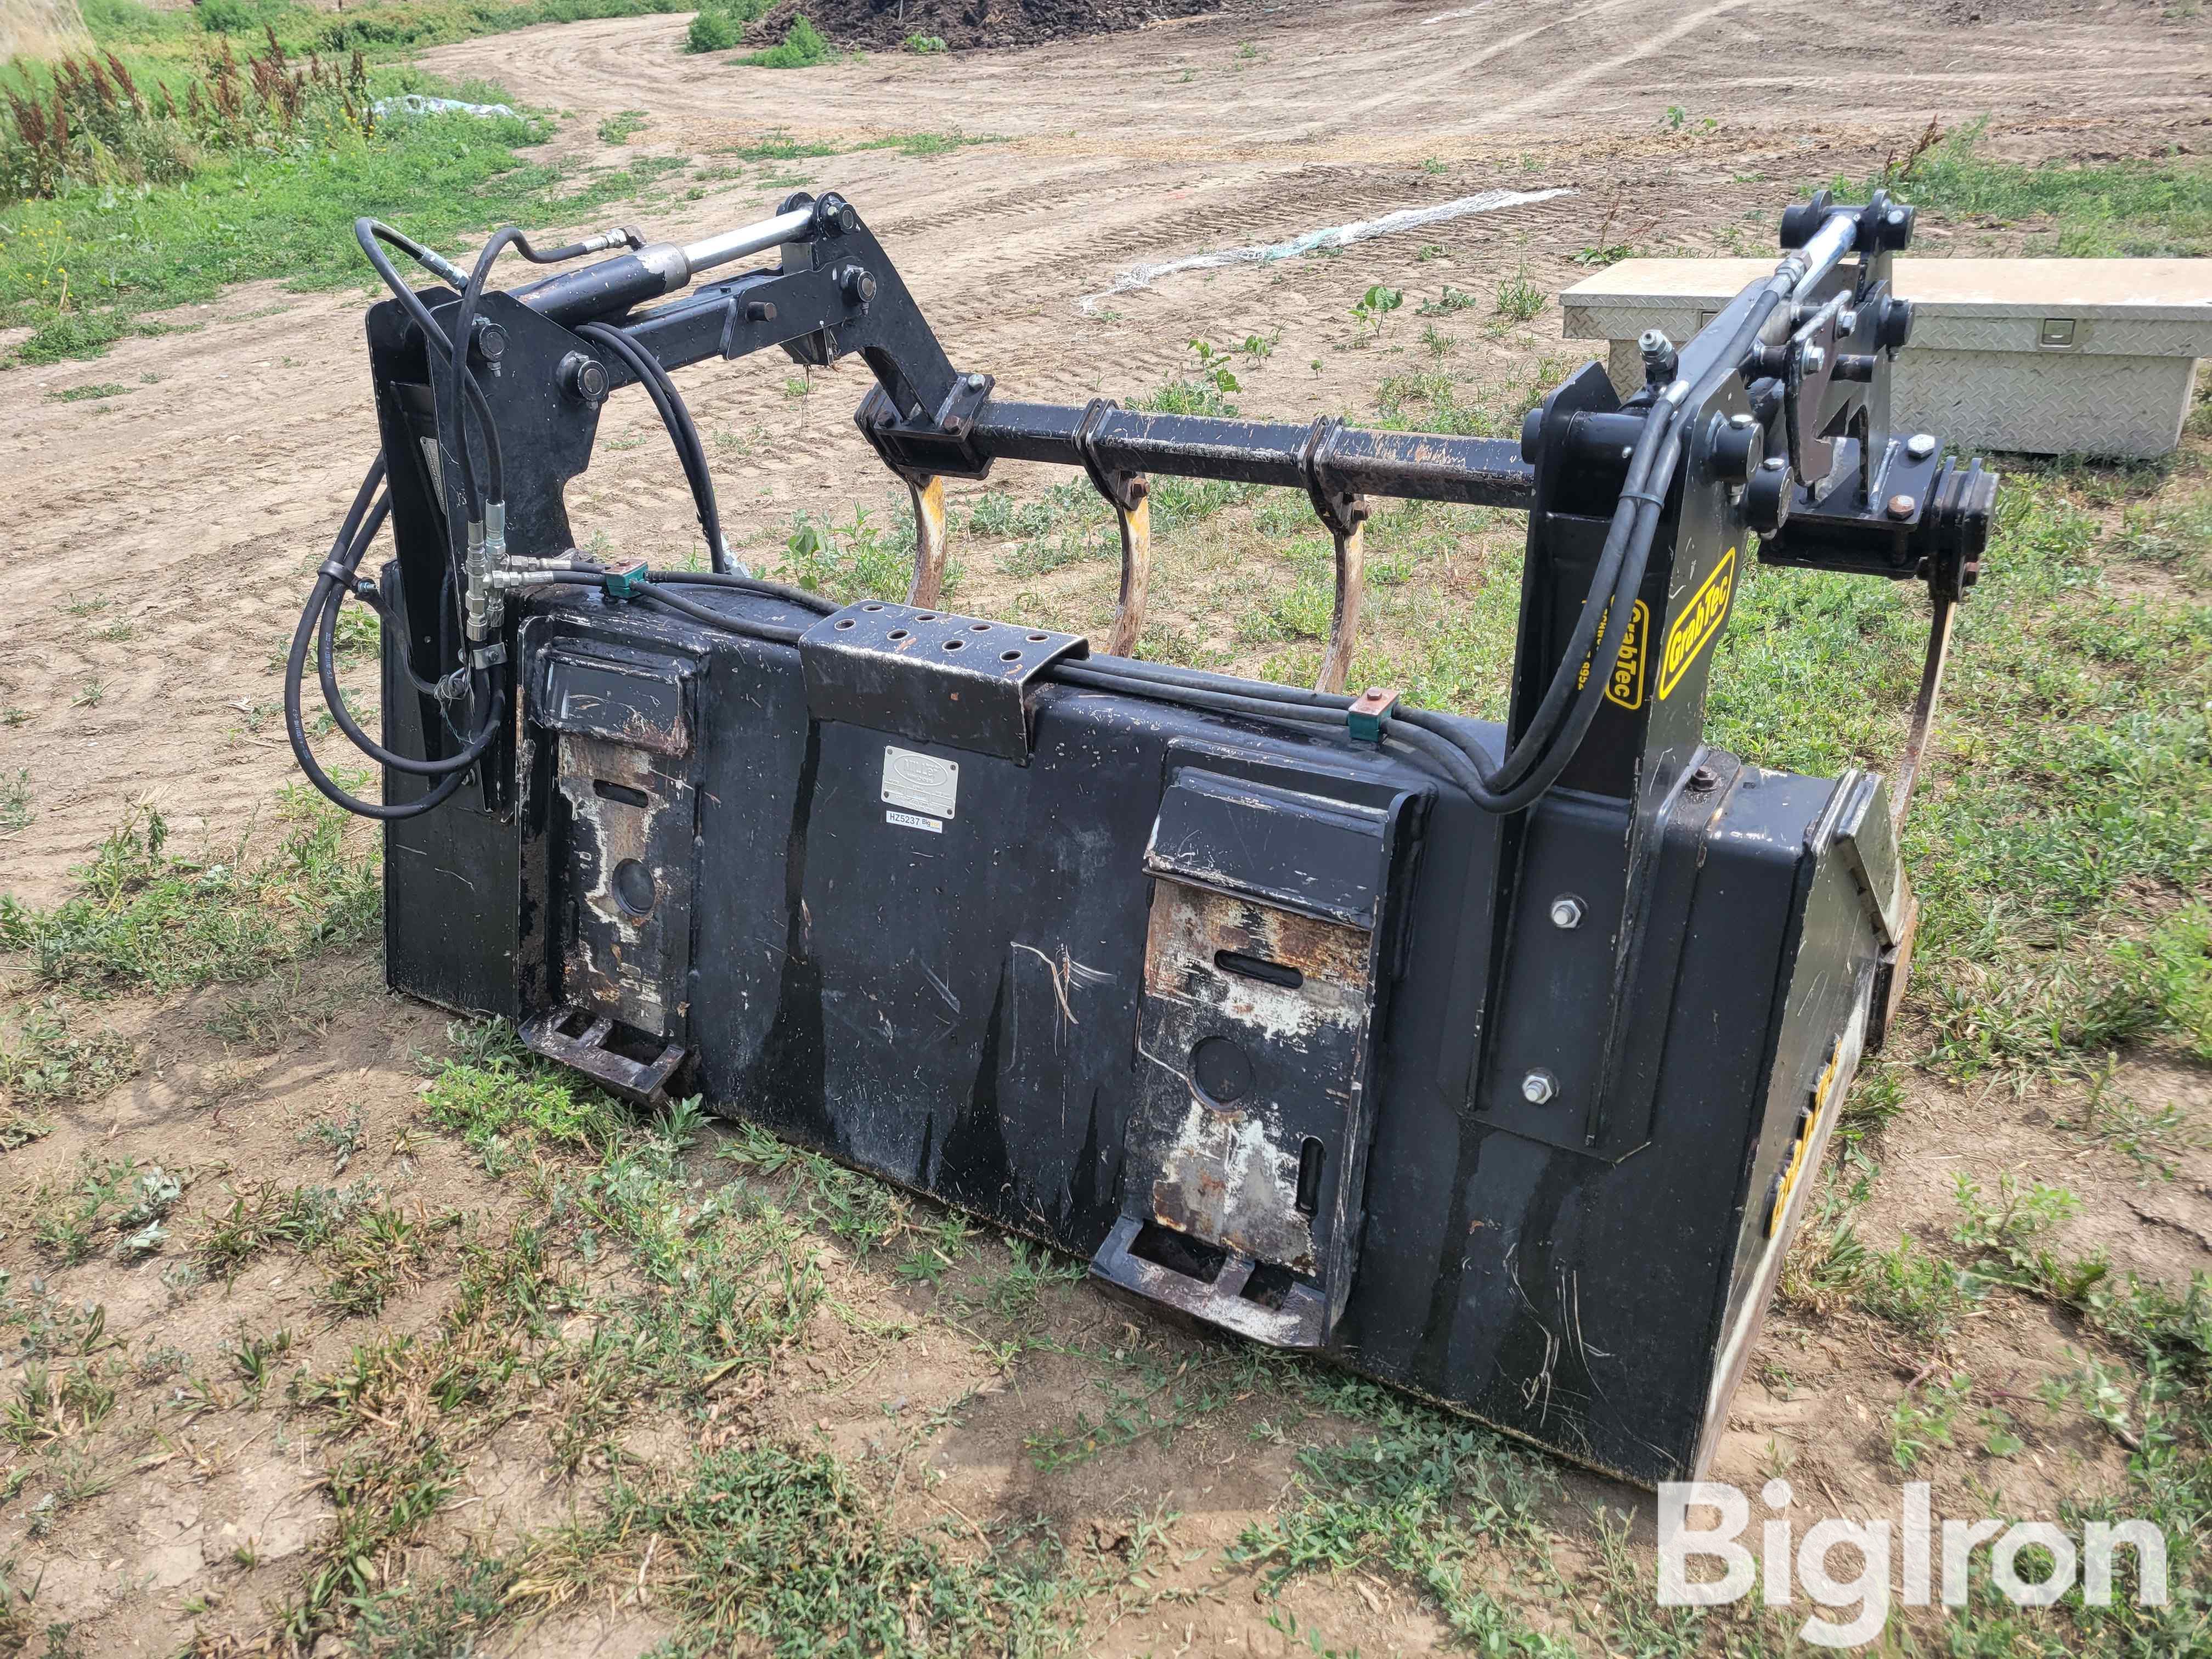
(668, 402)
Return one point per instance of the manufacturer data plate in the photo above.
(921, 783)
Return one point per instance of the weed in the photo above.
(264, 1215)
(1519, 299)
(254, 1358)
(620, 128)
(54, 1060)
(721, 24)
(1030, 1268)
(79, 270)
(343, 1137)
(801, 47)
(1370, 310)
(79, 393)
(1422, 1495)
(145, 917)
(1916, 1427)
(381, 1250)
(68, 1216)
(847, 561)
(782, 1547)
(50, 1406)
(924, 45)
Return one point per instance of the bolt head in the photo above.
(1847, 322)
(1815, 360)
(1566, 911)
(1538, 1087)
(974, 383)
(1703, 778)
(1901, 507)
(1920, 445)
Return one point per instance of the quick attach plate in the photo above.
(931, 676)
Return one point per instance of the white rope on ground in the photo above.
(1359, 230)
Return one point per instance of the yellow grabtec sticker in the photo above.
(1700, 620)
(1626, 688)
(1785, 1181)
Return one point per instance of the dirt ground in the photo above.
(194, 509)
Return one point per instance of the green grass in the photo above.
(1424, 1495)
(378, 27)
(2132, 209)
(145, 917)
(85, 271)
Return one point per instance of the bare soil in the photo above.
(198, 503)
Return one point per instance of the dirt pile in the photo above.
(968, 25)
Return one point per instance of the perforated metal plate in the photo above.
(930, 675)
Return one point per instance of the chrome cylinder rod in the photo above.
(747, 239)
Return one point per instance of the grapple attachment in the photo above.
(1493, 1061)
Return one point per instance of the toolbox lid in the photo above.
(2154, 307)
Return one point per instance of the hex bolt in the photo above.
(1920, 445)
(1847, 322)
(1815, 360)
(859, 286)
(583, 377)
(1703, 780)
(1901, 507)
(1566, 912)
(974, 383)
(1538, 1087)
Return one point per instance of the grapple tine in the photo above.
(1129, 493)
(1344, 617)
(928, 588)
(1344, 513)
(1136, 523)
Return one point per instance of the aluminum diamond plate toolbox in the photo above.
(2044, 356)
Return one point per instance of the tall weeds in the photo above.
(87, 123)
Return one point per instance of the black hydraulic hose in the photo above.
(561, 255)
(349, 544)
(369, 233)
(1102, 677)
(682, 433)
(457, 373)
(775, 633)
(326, 667)
(761, 584)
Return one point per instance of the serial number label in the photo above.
(919, 782)
(915, 821)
